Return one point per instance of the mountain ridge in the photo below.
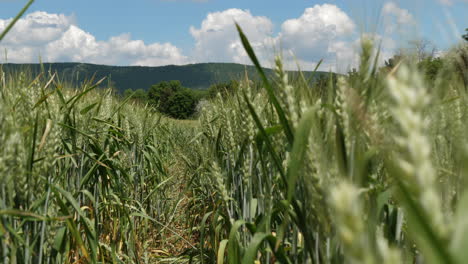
(194, 76)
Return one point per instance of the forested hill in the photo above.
(195, 76)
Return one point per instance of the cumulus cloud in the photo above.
(326, 32)
(217, 38)
(397, 19)
(37, 28)
(451, 2)
(445, 2)
(57, 37)
(402, 16)
(319, 33)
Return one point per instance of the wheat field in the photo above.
(368, 167)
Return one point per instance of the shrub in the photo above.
(172, 99)
(227, 88)
(139, 95)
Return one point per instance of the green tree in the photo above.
(223, 88)
(182, 105)
(465, 37)
(139, 95)
(172, 99)
(160, 93)
(199, 94)
(431, 67)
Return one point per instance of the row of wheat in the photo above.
(369, 168)
(83, 176)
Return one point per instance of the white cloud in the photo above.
(315, 18)
(445, 2)
(318, 33)
(321, 32)
(397, 19)
(403, 16)
(451, 2)
(56, 37)
(217, 38)
(37, 28)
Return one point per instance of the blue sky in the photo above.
(159, 32)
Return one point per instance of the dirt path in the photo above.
(179, 239)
